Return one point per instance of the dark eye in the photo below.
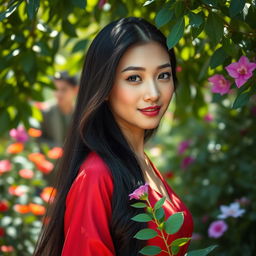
(133, 78)
(165, 75)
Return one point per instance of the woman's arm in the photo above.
(88, 214)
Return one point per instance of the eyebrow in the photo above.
(143, 69)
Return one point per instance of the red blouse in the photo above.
(88, 212)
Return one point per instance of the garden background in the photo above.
(205, 146)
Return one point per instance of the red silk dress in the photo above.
(88, 212)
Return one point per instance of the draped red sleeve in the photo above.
(88, 211)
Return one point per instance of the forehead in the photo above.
(62, 84)
(149, 55)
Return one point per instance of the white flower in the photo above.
(233, 210)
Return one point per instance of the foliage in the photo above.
(217, 167)
(24, 193)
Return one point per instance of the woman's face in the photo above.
(143, 87)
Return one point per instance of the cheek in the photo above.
(167, 94)
(122, 95)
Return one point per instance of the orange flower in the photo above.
(55, 153)
(15, 148)
(6, 248)
(48, 194)
(36, 157)
(22, 209)
(26, 173)
(37, 209)
(32, 132)
(45, 166)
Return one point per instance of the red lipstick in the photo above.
(150, 111)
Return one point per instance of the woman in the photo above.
(126, 86)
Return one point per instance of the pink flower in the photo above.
(187, 161)
(101, 3)
(5, 166)
(26, 173)
(217, 228)
(140, 193)
(208, 117)
(19, 134)
(241, 70)
(220, 84)
(183, 146)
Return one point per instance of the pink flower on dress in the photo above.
(220, 84)
(5, 166)
(217, 229)
(140, 193)
(241, 70)
(183, 146)
(19, 134)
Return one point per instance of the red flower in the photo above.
(45, 166)
(48, 194)
(32, 132)
(37, 209)
(26, 173)
(17, 190)
(22, 209)
(55, 153)
(36, 157)
(5, 166)
(4, 206)
(7, 248)
(2, 232)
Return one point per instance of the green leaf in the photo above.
(145, 234)
(236, 7)
(150, 250)
(201, 252)
(180, 241)
(211, 3)
(176, 33)
(175, 249)
(142, 217)
(139, 205)
(214, 28)
(148, 2)
(80, 46)
(28, 61)
(32, 8)
(79, 3)
(218, 58)
(174, 223)
(163, 17)
(68, 28)
(160, 214)
(241, 100)
(179, 9)
(195, 19)
(159, 203)
(197, 31)
(9, 11)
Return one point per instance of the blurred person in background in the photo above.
(57, 116)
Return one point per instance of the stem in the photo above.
(162, 233)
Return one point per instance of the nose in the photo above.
(152, 92)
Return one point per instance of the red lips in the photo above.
(154, 108)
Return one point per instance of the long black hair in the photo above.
(94, 129)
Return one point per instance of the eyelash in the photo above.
(165, 73)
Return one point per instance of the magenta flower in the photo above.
(217, 228)
(241, 70)
(187, 161)
(183, 146)
(208, 117)
(5, 166)
(140, 193)
(220, 84)
(19, 134)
